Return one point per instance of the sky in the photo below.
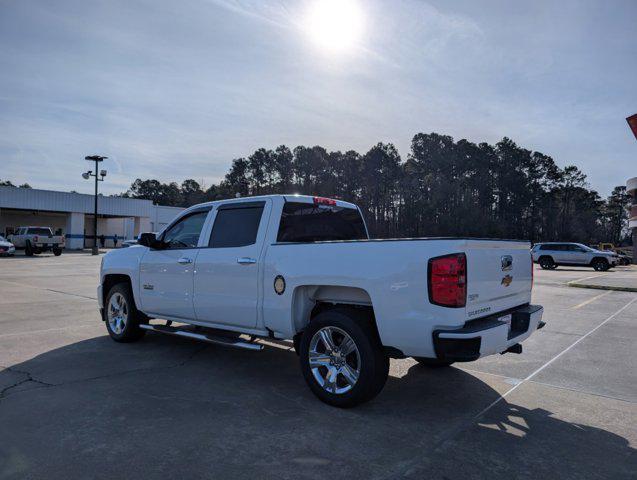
(175, 90)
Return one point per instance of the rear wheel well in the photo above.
(363, 313)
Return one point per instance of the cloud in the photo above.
(274, 13)
(177, 90)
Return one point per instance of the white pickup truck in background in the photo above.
(35, 240)
(303, 268)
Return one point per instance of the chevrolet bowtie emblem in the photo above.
(506, 280)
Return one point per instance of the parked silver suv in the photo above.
(552, 254)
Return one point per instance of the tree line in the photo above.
(443, 188)
(8, 183)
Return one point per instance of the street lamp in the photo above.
(86, 176)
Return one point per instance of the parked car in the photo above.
(129, 243)
(304, 269)
(6, 248)
(622, 257)
(550, 255)
(35, 240)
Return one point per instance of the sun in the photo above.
(334, 25)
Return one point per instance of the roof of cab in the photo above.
(287, 198)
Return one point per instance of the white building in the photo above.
(71, 214)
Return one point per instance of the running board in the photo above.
(216, 339)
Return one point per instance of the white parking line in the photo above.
(588, 278)
(48, 289)
(505, 394)
(46, 330)
(590, 300)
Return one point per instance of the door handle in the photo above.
(184, 261)
(246, 260)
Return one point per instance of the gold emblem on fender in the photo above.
(506, 280)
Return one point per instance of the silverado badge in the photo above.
(506, 280)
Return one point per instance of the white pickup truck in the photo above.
(37, 240)
(302, 268)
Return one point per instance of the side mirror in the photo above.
(148, 240)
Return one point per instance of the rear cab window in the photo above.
(39, 231)
(316, 222)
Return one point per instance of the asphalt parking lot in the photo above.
(74, 404)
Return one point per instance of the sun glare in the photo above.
(335, 25)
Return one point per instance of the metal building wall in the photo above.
(49, 200)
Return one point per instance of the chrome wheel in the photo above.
(334, 360)
(117, 313)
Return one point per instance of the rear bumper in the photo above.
(488, 335)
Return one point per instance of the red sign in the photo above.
(632, 123)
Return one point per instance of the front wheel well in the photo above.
(599, 259)
(111, 280)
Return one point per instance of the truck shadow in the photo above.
(166, 404)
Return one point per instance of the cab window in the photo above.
(185, 232)
(306, 222)
(39, 231)
(236, 225)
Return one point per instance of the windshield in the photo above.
(2, 239)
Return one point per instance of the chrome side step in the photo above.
(216, 339)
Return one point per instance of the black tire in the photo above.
(600, 264)
(131, 331)
(432, 362)
(28, 250)
(57, 251)
(547, 263)
(374, 363)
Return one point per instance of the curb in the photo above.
(601, 287)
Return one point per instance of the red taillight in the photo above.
(448, 280)
(324, 201)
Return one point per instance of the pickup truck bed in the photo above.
(303, 268)
(391, 276)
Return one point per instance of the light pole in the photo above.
(97, 175)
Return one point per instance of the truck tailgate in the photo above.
(499, 276)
